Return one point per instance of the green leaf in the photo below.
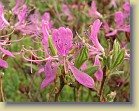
(91, 70)
(116, 50)
(34, 67)
(53, 50)
(108, 62)
(119, 58)
(81, 57)
(117, 72)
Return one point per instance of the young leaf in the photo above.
(119, 58)
(91, 70)
(82, 57)
(108, 62)
(116, 50)
(52, 48)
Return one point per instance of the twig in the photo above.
(60, 89)
(1, 91)
(102, 84)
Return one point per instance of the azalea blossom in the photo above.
(119, 18)
(62, 39)
(93, 11)
(67, 12)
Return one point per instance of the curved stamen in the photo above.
(8, 34)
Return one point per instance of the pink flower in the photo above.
(119, 18)
(66, 11)
(62, 39)
(21, 16)
(94, 33)
(93, 11)
(126, 7)
(99, 72)
(3, 21)
(16, 8)
(46, 18)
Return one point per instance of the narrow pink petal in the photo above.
(125, 29)
(99, 72)
(40, 71)
(3, 64)
(50, 74)
(6, 52)
(84, 66)
(112, 33)
(81, 77)
(106, 26)
(46, 82)
(94, 33)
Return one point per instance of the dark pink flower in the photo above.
(62, 39)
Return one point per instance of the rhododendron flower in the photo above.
(99, 72)
(94, 37)
(46, 18)
(119, 18)
(3, 21)
(62, 39)
(21, 16)
(126, 7)
(66, 11)
(16, 8)
(93, 11)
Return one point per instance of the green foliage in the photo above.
(81, 57)
(91, 70)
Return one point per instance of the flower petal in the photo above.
(50, 74)
(99, 72)
(3, 64)
(94, 33)
(6, 52)
(112, 33)
(81, 77)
